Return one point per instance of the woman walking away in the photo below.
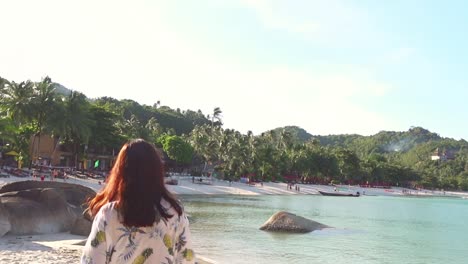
(136, 219)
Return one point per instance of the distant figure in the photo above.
(334, 189)
(193, 179)
(136, 218)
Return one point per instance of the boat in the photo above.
(202, 180)
(339, 194)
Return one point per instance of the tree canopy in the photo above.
(199, 142)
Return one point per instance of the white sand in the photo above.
(59, 248)
(50, 248)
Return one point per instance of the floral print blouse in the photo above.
(166, 242)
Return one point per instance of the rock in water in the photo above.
(288, 222)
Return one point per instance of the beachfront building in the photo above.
(46, 150)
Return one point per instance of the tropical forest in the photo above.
(197, 142)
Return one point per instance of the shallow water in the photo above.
(376, 229)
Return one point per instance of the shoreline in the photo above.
(220, 187)
(185, 186)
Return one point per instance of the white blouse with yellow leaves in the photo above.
(166, 242)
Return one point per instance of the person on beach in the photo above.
(136, 218)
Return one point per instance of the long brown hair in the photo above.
(136, 184)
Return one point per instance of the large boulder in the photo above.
(33, 207)
(81, 227)
(288, 222)
(5, 225)
(74, 193)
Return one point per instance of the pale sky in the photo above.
(330, 67)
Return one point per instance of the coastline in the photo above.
(62, 248)
(220, 187)
(185, 186)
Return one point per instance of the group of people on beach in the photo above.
(296, 187)
(53, 174)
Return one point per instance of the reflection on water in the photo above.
(366, 230)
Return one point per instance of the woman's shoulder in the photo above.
(169, 208)
(108, 208)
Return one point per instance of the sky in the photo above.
(330, 67)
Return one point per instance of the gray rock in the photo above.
(5, 225)
(75, 194)
(81, 227)
(288, 222)
(32, 207)
(38, 211)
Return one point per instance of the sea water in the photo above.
(367, 229)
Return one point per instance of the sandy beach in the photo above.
(62, 248)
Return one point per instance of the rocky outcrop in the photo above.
(81, 227)
(288, 222)
(32, 207)
(5, 225)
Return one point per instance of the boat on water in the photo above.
(339, 194)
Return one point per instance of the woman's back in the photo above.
(136, 218)
(166, 241)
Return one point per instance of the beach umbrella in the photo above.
(12, 153)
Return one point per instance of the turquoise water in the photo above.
(373, 229)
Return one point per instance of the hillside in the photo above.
(60, 89)
(416, 139)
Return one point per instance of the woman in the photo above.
(136, 218)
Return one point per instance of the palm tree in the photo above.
(77, 124)
(2, 83)
(207, 142)
(133, 127)
(17, 106)
(157, 104)
(153, 128)
(7, 129)
(17, 101)
(216, 116)
(44, 102)
(198, 139)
